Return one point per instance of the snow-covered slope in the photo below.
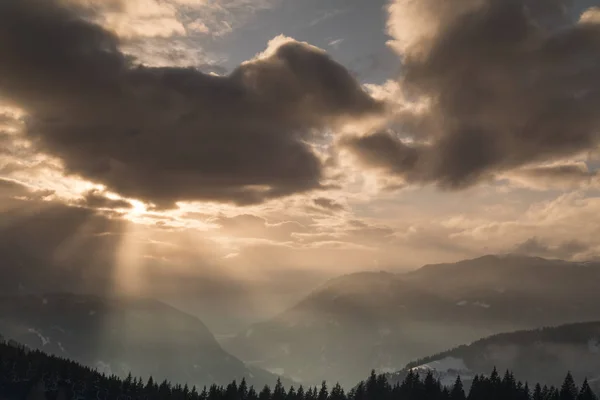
(446, 370)
(540, 355)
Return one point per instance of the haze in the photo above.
(230, 156)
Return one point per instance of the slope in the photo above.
(122, 335)
(383, 320)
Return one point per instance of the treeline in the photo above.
(33, 375)
(575, 333)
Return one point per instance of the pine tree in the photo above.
(445, 394)
(279, 391)
(458, 392)
(323, 393)
(243, 390)
(477, 389)
(359, 392)
(568, 390)
(265, 393)
(586, 392)
(431, 388)
(231, 392)
(252, 395)
(337, 393)
(291, 394)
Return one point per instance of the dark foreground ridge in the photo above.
(33, 375)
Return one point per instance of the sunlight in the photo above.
(128, 278)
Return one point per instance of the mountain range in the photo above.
(382, 320)
(338, 333)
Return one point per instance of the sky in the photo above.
(241, 152)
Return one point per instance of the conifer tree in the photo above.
(586, 392)
(568, 390)
(265, 393)
(279, 391)
(291, 394)
(243, 390)
(359, 392)
(431, 387)
(477, 391)
(458, 392)
(323, 393)
(252, 395)
(445, 393)
(337, 393)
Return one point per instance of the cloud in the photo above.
(571, 175)
(96, 199)
(487, 86)
(171, 134)
(13, 189)
(328, 204)
(564, 250)
(170, 18)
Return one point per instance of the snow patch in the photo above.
(249, 332)
(446, 370)
(481, 304)
(445, 364)
(462, 303)
(44, 339)
(60, 346)
(45, 301)
(92, 312)
(276, 371)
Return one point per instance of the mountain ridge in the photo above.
(123, 334)
(390, 318)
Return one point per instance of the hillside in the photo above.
(383, 320)
(123, 335)
(540, 355)
(34, 375)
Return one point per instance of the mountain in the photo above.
(122, 335)
(540, 355)
(383, 320)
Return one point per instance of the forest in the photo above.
(33, 375)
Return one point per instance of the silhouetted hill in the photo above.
(122, 335)
(539, 355)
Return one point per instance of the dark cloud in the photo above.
(565, 250)
(12, 189)
(96, 199)
(328, 204)
(170, 134)
(509, 83)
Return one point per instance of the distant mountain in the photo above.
(383, 320)
(540, 355)
(122, 335)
